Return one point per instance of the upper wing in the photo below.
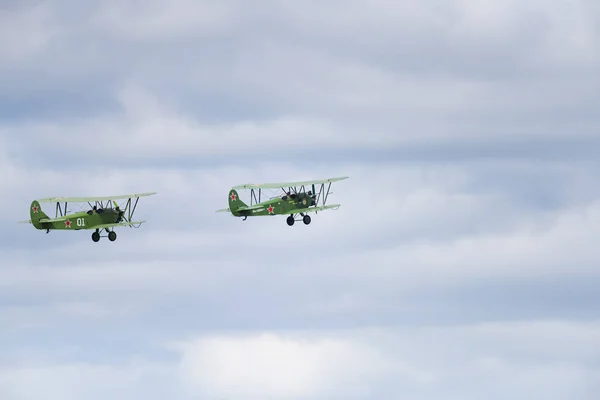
(287, 184)
(314, 209)
(88, 199)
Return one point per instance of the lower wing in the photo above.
(314, 209)
(115, 224)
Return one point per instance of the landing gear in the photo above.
(305, 218)
(112, 235)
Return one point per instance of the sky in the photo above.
(462, 264)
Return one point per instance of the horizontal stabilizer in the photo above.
(27, 221)
(60, 219)
(255, 207)
(314, 209)
(223, 210)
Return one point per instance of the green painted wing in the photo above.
(287, 184)
(313, 209)
(114, 224)
(90, 199)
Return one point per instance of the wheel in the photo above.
(290, 220)
(112, 236)
(95, 236)
(306, 219)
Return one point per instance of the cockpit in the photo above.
(288, 195)
(300, 196)
(97, 210)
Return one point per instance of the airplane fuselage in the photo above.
(278, 206)
(75, 221)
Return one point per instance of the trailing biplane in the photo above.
(293, 200)
(100, 216)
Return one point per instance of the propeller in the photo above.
(313, 198)
(120, 217)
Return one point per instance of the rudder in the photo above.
(36, 213)
(235, 202)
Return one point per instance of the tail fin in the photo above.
(235, 202)
(36, 213)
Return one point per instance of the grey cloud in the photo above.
(469, 132)
(136, 140)
(413, 203)
(508, 274)
(249, 67)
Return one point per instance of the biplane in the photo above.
(100, 216)
(293, 200)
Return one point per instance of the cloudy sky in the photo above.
(462, 264)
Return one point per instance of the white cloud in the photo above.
(275, 366)
(535, 359)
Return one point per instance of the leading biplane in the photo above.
(293, 200)
(100, 216)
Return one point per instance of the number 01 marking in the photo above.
(80, 221)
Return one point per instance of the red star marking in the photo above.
(35, 209)
(67, 224)
(270, 209)
(232, 196)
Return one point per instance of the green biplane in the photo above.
(100, 216)
(294, 200)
